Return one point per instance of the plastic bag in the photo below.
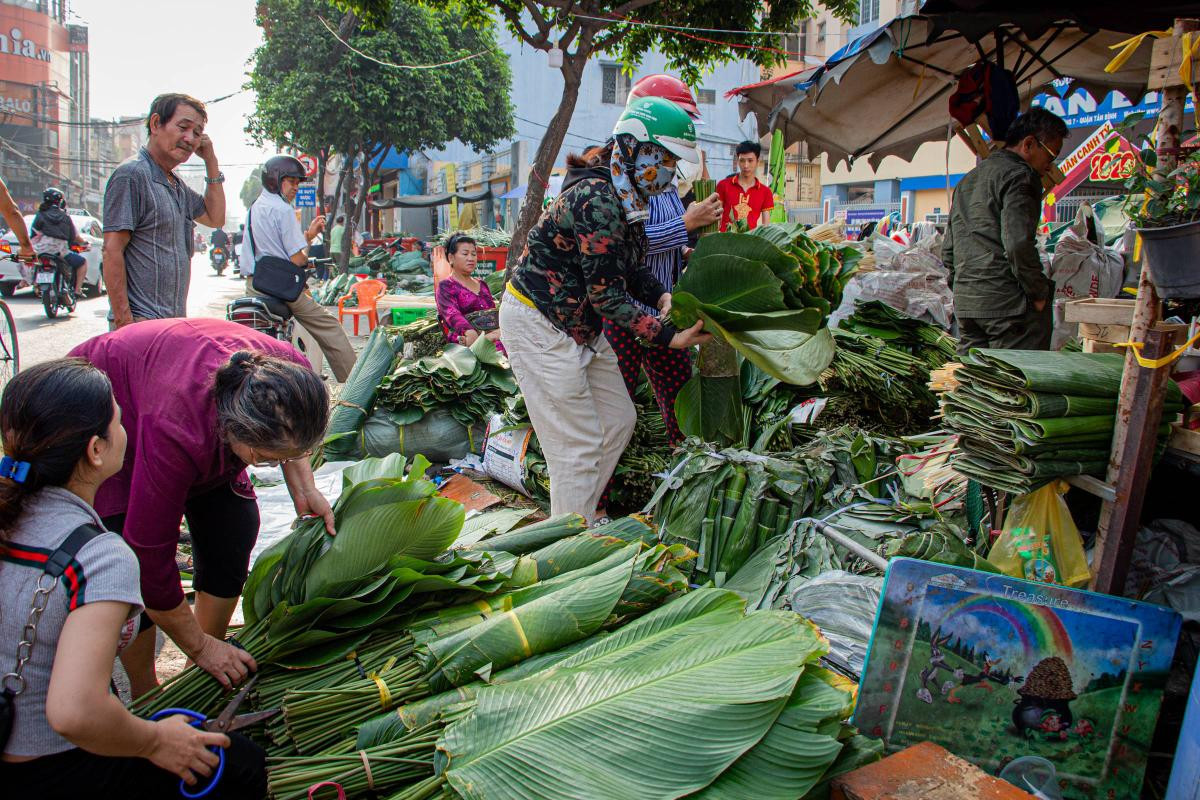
(843, 606)
(1040, 541)
(1082, 267)
(437, 435)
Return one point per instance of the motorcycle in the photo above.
(219, 259)
(55, 282)
(271, 316)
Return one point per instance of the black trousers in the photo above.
(1028, 331)
(224, 528)
(77, 774)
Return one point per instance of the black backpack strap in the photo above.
(61, 558)
(250, 230)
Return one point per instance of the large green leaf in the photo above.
(418, 528)
(710, 408)
(792, 357)
(751, 248)
(696, 613)
(490, 523)
(547, 623)
(660, 725)
(797, 750)
(686, 308)
(756, 287)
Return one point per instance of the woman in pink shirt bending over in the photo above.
(464, 302)
(201, 400)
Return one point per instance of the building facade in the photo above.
(920, 188)
(44, 106)
(536, 90)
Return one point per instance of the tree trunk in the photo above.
(322, 163)
(341, 205)
(547, 152)
(366, 178)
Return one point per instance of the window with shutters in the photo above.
(615, 84)
(868, 11)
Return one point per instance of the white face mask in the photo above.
(686, 171)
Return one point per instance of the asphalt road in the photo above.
(41, 339)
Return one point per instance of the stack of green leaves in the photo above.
(1025, 417)
(595, 580)
(471, 383)
(739, 709)
(328, 293)
(407, 273)
(311, 598)
(927, 342)
(484, 237)
(824, 267)
(877, 380)
(752, 294)
(357, 399)
(727, 505)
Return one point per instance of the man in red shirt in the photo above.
(743, 195)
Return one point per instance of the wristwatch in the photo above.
(219, 179)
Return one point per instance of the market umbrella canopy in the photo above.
(975, 19)
(887, 92)
(762, 97)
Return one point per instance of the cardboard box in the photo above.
(924, 771)
(1100, 310)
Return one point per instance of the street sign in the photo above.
(310, 164)
(306, 197)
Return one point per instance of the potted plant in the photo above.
(1165, 210)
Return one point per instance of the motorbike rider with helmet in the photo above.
(273, 230)
(53, 233)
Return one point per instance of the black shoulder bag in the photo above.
(13, 684)
(274, 276)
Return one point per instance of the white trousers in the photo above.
(577, 403)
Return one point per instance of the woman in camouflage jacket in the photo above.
(583, 260)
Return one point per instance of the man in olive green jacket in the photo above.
(1002, 297)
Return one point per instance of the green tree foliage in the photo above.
(316, 94)
(252, 187)
(586, 28)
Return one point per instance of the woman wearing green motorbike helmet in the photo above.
(583, 259)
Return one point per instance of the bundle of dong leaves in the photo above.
(695, 698)
(357, 399)
(471, 383)
(1026, 417)
(768, 294)
(456, 689)
(877, 381)
(736, 508)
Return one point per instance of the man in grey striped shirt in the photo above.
(150, 215)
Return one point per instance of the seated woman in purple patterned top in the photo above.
(465, 303)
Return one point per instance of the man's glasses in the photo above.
(1053, 155)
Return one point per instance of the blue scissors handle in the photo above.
(197, 719)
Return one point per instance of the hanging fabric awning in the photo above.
(887, 93)
(431, 200)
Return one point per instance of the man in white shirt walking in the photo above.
(272, 229)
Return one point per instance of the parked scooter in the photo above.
(55, 282)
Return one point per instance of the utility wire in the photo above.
(358, 52)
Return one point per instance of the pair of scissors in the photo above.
(226, 723)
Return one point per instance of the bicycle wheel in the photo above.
(9, 358)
